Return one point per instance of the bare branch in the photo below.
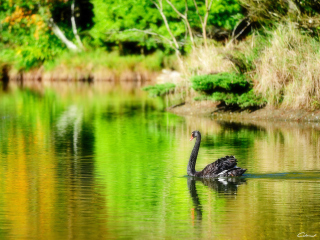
(176, 10)
(210, 4)
(186, 8)
(74, 27)
(166, 23)
(205, 20)
(197, 10)
(176, 48)
(208, 7)
(237, 25)
(233, 38)
(56, 30)
(150, 33)
(184, 17)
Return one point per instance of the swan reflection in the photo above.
(226, 186)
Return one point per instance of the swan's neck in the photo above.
(191, 170)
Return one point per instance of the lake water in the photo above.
(82, 161)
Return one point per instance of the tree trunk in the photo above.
(56, 30)
(74, 26)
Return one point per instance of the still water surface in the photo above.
(104, 162)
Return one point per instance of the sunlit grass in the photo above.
(288, 73)
(101, 65)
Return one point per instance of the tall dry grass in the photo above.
(288, 72)
(203, 61)
(207, 60)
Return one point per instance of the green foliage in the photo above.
(116, 22)
(230, 88)
(251, 99)
(160, 89)
(201, 97)
(220, 82)
(26, 40)
(244, 100)
(228, 98)
(100, 59)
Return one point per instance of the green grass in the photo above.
(112, 60)
(73, 65)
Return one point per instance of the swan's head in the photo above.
(194, 134)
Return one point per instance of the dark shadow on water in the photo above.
(222, 107)
(239, 126)
(225, 186)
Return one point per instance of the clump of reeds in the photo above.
(288, 72)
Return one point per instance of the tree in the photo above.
(141, 22)
(27, 28)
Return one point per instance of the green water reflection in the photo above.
(104, 162)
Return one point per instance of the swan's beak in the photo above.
(191, 138)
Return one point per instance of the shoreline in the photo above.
(210, 110)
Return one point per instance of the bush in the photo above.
(251, 99)
(244, 100)
(160, 89)
(230, 88)
(220, 82)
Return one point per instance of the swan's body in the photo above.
(223, 167)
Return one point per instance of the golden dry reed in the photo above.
(207, 60)
(288, 72)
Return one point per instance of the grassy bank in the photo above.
(95, 66)
(288, 73)
(277, 68)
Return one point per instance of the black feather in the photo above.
(223, 167)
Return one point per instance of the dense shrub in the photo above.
(160, 89)
(220, 82)
(230, 88)
(244, 100)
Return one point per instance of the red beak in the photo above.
(191, 138)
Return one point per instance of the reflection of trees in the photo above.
(48, 179)
(64, 171)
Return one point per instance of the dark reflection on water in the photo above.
(223, 186)
(104, 162)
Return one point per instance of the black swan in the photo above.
(223, 167)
